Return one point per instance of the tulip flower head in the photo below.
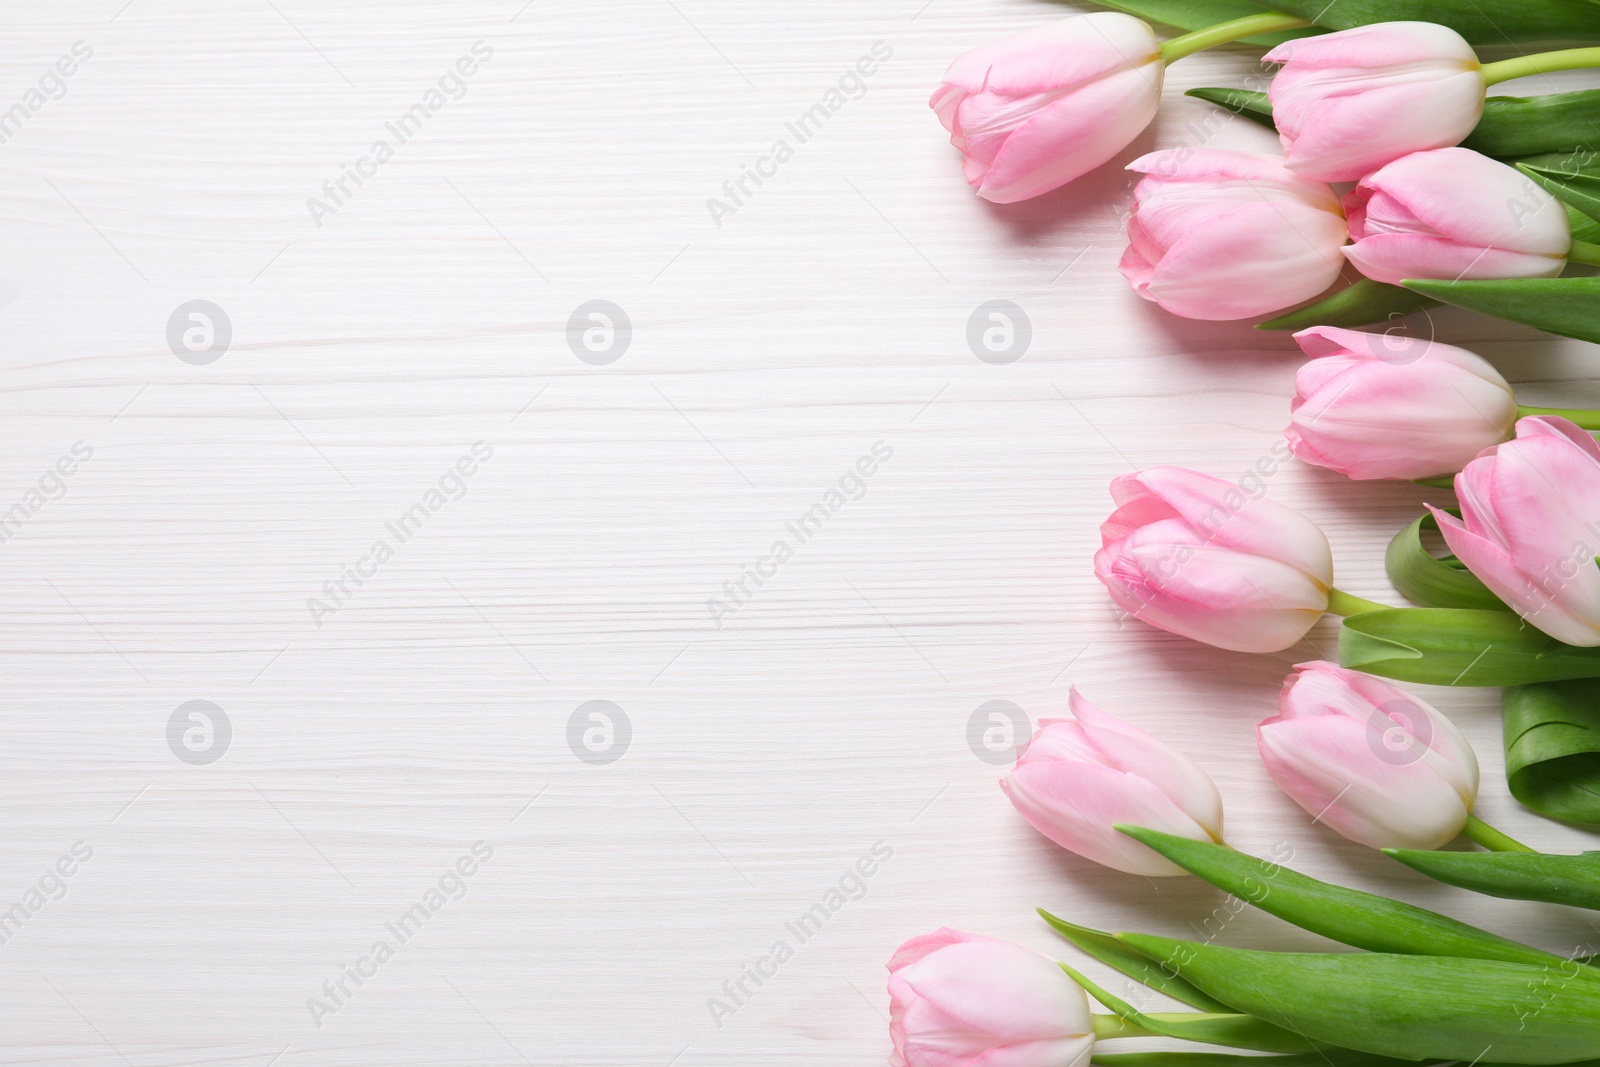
(1455, 214)
(1079, 777)
(1530, 526)
(1034, 111)
(961, 1000)
(1347, 103)
(1378, 765)
(1209, 560)
(1379, 405)
(1217, 234)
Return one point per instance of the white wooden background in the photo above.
(429, 312)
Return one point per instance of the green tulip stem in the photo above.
(1538, 63)
(1490, 838)
(1584, 251)
(1342, 603)
(1587, 418)
(1228, 32)
(1107, 1027)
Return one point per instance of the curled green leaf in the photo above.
(1552, 738)
(1348, 916)
(1408, 1007)
(1426, 579)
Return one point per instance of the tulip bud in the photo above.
(1370, 760)
(1390, 406)
(1530, 526)
(1346, 103)
(1201, 557)
(1216, 234)
(1034, 111)
(1452, 213)
(1078, 778)
(961, 1000)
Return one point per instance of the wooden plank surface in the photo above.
(415, 328)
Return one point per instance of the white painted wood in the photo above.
(768, 354)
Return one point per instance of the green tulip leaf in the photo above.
(1330, 1057)
(1431, 581)
(1247, 102)
(1552, 733)
(1359, 304)
(1568, 306)
(1571, 880)
(1459, 646)
(1113, 953)
(1234, 1031)
(1576, 188)
(1514, 126)
(1348, 916)
(1583, 227)
(1481, 22)
(1408, 1007)
(1189, 15)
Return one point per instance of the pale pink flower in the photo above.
(1217, 234)
(961, 1000)
(1530, 526)
(1036, 110)
(1346, 103)
(1079, 777)
(1366, 758)
(1454, 214)
(1378, 405)
(1207, 559)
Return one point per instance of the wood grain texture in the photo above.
(431, 711)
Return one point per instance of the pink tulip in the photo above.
(1229, 235)
(1206, 559)
(1034, 111)
(1346, 103)
(1530, 526)
(1370, 760)
(1452, 213)
(961, 1000)
(1374, 405)
(1077, 778)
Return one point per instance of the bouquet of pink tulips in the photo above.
(1396, 165)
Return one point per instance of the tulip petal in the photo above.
(1376, 45)
(1403, 408)
(1124, 747)
(1076, 804)
(1392, 258)
(1214, 270)
(1220, 513)
(1349, 137)
(1472, 199)
(1056, 55)
(1071, 136)
(973, 985)
(1331, 767)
